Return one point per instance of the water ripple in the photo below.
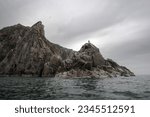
(87, 89)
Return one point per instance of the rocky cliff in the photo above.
(26, 51)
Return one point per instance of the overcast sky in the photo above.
(120, 28)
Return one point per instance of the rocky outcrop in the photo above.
(26, 51)
(88, 62)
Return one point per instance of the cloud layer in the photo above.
(119, 28)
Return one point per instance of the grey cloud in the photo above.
(68, 22)
(138, 46)
(97, 20)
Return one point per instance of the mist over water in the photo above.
(75, 88)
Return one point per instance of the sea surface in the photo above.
(120, 88)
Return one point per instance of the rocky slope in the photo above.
(26, 51)
(88, 62)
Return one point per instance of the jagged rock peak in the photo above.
(18, 25)
(88, 47)
(39, 23)
(39, 27)
(91, 51)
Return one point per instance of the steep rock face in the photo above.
(9, 37)
(87, 57)
(26, 51)
(93, 52)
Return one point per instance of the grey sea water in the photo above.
(134, 88)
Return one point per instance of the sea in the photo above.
(38, 88)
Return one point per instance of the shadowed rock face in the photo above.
(93, 52)
(26, 51)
